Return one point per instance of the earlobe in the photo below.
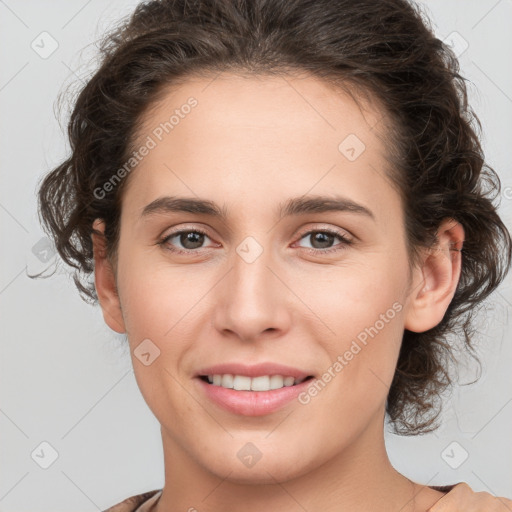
(435, 282)
(104, 279)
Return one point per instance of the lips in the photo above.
(252, 403)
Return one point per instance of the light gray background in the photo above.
(66, 379)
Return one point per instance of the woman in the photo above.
(284, 206)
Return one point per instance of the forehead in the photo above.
(302, 104)
(257, 138)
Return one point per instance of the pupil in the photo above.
(193, 238)
(323, 238)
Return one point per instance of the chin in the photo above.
(275, 467)
(262, 475)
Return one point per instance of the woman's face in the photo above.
(258, 287)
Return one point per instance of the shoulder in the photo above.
(462, 497)
(133, 503)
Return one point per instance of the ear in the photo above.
(435, 281)
(104, 279)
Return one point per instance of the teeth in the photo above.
(244, 383)
(241, 383)
(289, 381)
(261, 383)
(227, 381)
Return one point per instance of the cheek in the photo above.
(354, 297)
(156, 296)
(159, 313)
(163, 306)
(363, 305)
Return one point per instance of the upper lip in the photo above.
(255, 370)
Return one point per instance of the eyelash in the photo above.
(344, 241)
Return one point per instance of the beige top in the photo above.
(145, 502)
(140, 503)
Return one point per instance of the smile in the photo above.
(251, 402)
(246, 383)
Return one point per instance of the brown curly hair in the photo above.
(384, 48)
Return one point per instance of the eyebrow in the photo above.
(296, 206)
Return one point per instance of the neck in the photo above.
(358, 478)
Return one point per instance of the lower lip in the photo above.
(252, 403)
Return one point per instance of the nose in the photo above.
(252, 300)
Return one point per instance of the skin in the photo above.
(463, 499)
(249, 145)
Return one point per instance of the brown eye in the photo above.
(184, 241)
(322, 241)
(191, 239)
